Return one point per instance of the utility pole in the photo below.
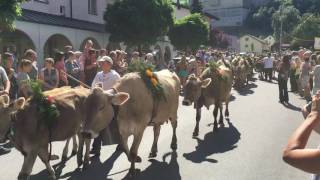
(281, 29)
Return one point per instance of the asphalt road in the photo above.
(248, 148)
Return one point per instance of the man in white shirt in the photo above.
(268, 66)
(104, 79)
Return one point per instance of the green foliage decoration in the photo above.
(146, 72)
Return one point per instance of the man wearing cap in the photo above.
(105, 79)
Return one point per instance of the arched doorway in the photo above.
(96, 44)
(16, 42)
(55, 43)
(167, 54)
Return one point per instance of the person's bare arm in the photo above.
(7, 85)
(295, 153)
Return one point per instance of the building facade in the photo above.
(252, 44)
(49, 25)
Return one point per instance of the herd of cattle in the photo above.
(84, 113)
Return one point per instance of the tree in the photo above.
(138, 22)
(261, 17)
(196, 7)
(308, 28)
(290, 17)
(189, 32)
(218, 39)
(307, 6)
(9, 11)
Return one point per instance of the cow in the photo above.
(212, 87)
(139, 108)
(30, 134)
(241, 70)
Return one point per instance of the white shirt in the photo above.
(268, 62)
(107, 80)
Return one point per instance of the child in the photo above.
(23, 79)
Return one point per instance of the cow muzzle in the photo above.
(186, 102)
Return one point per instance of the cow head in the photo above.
(192, 91)
(6, 109)
(100, 111)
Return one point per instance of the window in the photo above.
(42, 1)
(247, 39)
(92, 7)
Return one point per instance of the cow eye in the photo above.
(102, 107)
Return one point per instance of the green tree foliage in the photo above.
(196, 7)
(189, 32)
(9, 11)
(261, 17)
(304, 33)
(138, 22)
(307, 6)
(290, 17)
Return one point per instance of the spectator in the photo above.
(78, 55)
(295, 153)
(4, 89)
(32, 56)
(305, 75)
(135, 57)
(8, 66)
(102, 52)
(61, 68)
(66, 50)
(283, 75)
(73, 69)
(23, 79)
(182, 69)
(106, 79)
(316, 76)
(149, 59)
(90, 67)
(268, 66)
(49, 75)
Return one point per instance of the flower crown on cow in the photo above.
(48, 110)
(151, 80)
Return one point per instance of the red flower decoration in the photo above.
(50, 99)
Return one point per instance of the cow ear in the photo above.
(97, 90)
(120, 98)
(205, 83)
(4, 100)
(19, 103)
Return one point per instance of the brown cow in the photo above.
(137, 113)
(31, 135)
(213, 87)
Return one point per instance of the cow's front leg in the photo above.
(87, 153)
(74, 145)
(198, 117)
(226, 113)
(27, 166)
(174, 124)
(156, 133)
(221, 115)
(80, 150)
(133, 157)
(215, 114)
(44, 156)
(65, 151)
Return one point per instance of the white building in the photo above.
(47, 25)
(249, 43)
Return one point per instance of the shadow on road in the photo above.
(219, 142)
(96, 169)
(162, 170)
(292, 107)
(247, 90)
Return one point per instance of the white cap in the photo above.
(106, 59)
